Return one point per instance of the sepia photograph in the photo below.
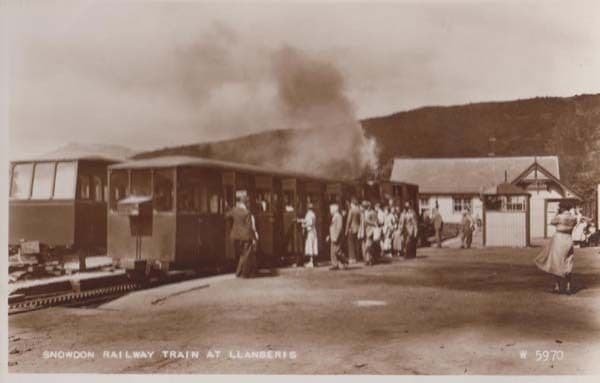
(250, 189)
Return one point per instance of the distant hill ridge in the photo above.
(568, 127)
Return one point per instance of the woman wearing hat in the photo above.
(557, 256)
(311, 245)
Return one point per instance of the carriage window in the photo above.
(191, 196)
(43, 175)
(97, 188)
(83, 188)
(288, 201)
(163, 190)
(195, 196)
(263, 201)
(21, 181)
(64, 186)
(141, 182)
(214, 203)
(119, 180)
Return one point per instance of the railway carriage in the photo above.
(57, 205)
(185, 224)
(190, 196)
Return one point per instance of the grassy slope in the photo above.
(567, 127)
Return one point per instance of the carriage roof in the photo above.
(181, 161)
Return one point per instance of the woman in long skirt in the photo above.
(311, 244)
(557, 256)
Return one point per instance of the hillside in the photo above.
(568, 127)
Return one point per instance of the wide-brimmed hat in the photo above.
(366, 203)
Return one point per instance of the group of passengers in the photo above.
(363, 232)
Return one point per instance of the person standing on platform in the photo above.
(438, 226)
(244, 237)
(557, 257)
(336, 230)
(410, 228)
(397, 236)
(353, 222)
(579, 229)
(311, 244)
(389, 224)
(467, 226)
(371, 226)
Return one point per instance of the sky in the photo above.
(154, 74)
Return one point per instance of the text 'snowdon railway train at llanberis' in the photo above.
(168, 213)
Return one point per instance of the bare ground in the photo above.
(449, 311)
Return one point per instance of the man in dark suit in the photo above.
(352, 229)
(243, 236)
(438, 225)
(336, 230)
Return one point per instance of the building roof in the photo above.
(465, 175)
(177, 161)
(505, 188)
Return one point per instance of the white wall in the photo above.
(537, 210)
(506, 229)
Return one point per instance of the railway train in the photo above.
(168, 213)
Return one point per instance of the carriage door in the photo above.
(229, 202)
(314, 194)
(551, 212)
(265, 217)
(292, 233)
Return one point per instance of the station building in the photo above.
(453, 185)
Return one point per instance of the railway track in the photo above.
(82, 298)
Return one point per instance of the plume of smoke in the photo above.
(311, 96)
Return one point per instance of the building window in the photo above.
(461, 204)
(423, 204)
(506, 203)
(43, 175)
(64, 186)
(21, 181)
(515, 203)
